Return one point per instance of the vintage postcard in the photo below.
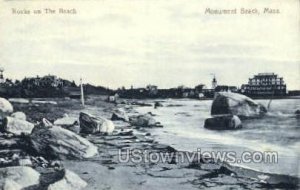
(149, 94)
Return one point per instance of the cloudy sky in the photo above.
(138, 42)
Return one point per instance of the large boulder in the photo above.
(145, 120)
(5, 106)
(223, 123)
(230, 103)
(17, 126)
(61, 143)
(90, 124)
(120, 114)
(18, 177)
(70, 181)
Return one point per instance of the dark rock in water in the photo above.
(297, 112)
(174, 105)
(157, 104)
(120, 115)
(223, 123)
(140, 104)
(236, 104)
(58, 142)
(90, 124)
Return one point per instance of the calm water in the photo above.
(279, 131)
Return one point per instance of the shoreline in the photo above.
(103, 171)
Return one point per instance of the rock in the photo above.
(157, 104)
(297, 113)
(223, 123)
(5, 106)
(58, 142)
(122, 102)
(43, 102)
(70, 181)
(74, 128)
(46, 123)
(65, 121)
(9, 184)
(25, 162)
(68, 123)
(19, 115)
(236, 104)
(18, 177)
(107, 127)
(17, 126)
(141, 104)
(144, 121)
(19, 100)
(120, 115)
(90, 124)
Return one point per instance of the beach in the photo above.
(105, 171)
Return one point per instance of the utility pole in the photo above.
(81, 94)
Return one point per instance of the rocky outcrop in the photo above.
(18, 177)
(223, 123)
(90, 124)
(61, 143)
(70, 181)
(227, 103)
(5, 106)
(145, 120)
(17, 126)
(120, 114)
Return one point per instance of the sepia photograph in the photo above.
(149, 94)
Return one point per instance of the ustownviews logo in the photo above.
(147, 156)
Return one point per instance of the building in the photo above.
(152, 90)
(2, 80)
(45, 82)
(264, 84)
(51, 80)
(214, 83)
(225, 88)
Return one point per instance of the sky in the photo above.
(139, 42)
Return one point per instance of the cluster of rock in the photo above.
(44, 142)
(53, 141)
(14, 123)
(227, 109)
